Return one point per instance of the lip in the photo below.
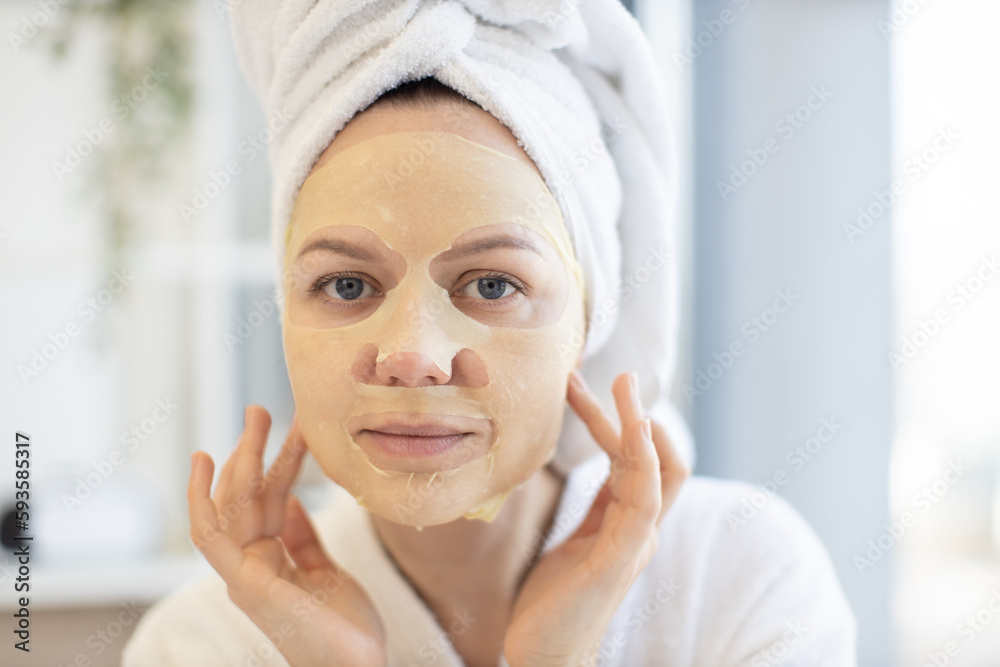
(419, 442)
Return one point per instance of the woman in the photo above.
(441, 285)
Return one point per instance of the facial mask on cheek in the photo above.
(417, 192)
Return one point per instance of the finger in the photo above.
(627, 506)
(248, 474)
(225, 476)
(210, 539)
(673, 470)
(241, 503)
(625, 389)
(592, 413)
(280, 480)
(299, 537)
(630, 522)
(633, 483)
(595, 517)
(626, 392)
(637, 482)
(223, 486)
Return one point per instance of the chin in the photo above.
(474, 491)
(429, 506)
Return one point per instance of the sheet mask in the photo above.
(407, 197)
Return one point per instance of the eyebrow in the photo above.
(340, 247)
(458, 250)
(498, 241)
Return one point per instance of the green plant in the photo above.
(150, 89)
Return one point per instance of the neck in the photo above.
(470, 564)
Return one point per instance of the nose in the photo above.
(414, 369)
(410, 369)
(417, 347)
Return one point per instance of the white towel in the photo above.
(576, 83)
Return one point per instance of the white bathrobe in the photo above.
(736, 582)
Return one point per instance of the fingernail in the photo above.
(647, 429)
(192, 461)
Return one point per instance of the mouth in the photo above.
(412, 442)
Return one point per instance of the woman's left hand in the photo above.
(571, 594)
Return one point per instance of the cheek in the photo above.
(528, 393)
(319, 370)
(318, 363)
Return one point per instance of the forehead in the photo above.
(419, 191)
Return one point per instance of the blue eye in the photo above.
(345, 286)
(492, 287)
(349, 288)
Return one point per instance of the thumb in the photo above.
(300, 540)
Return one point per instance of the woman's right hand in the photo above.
(259, 539)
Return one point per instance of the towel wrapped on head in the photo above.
(574, 81)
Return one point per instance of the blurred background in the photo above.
(839, 225)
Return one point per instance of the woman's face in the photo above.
(433, 311)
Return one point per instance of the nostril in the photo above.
(468, 370)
